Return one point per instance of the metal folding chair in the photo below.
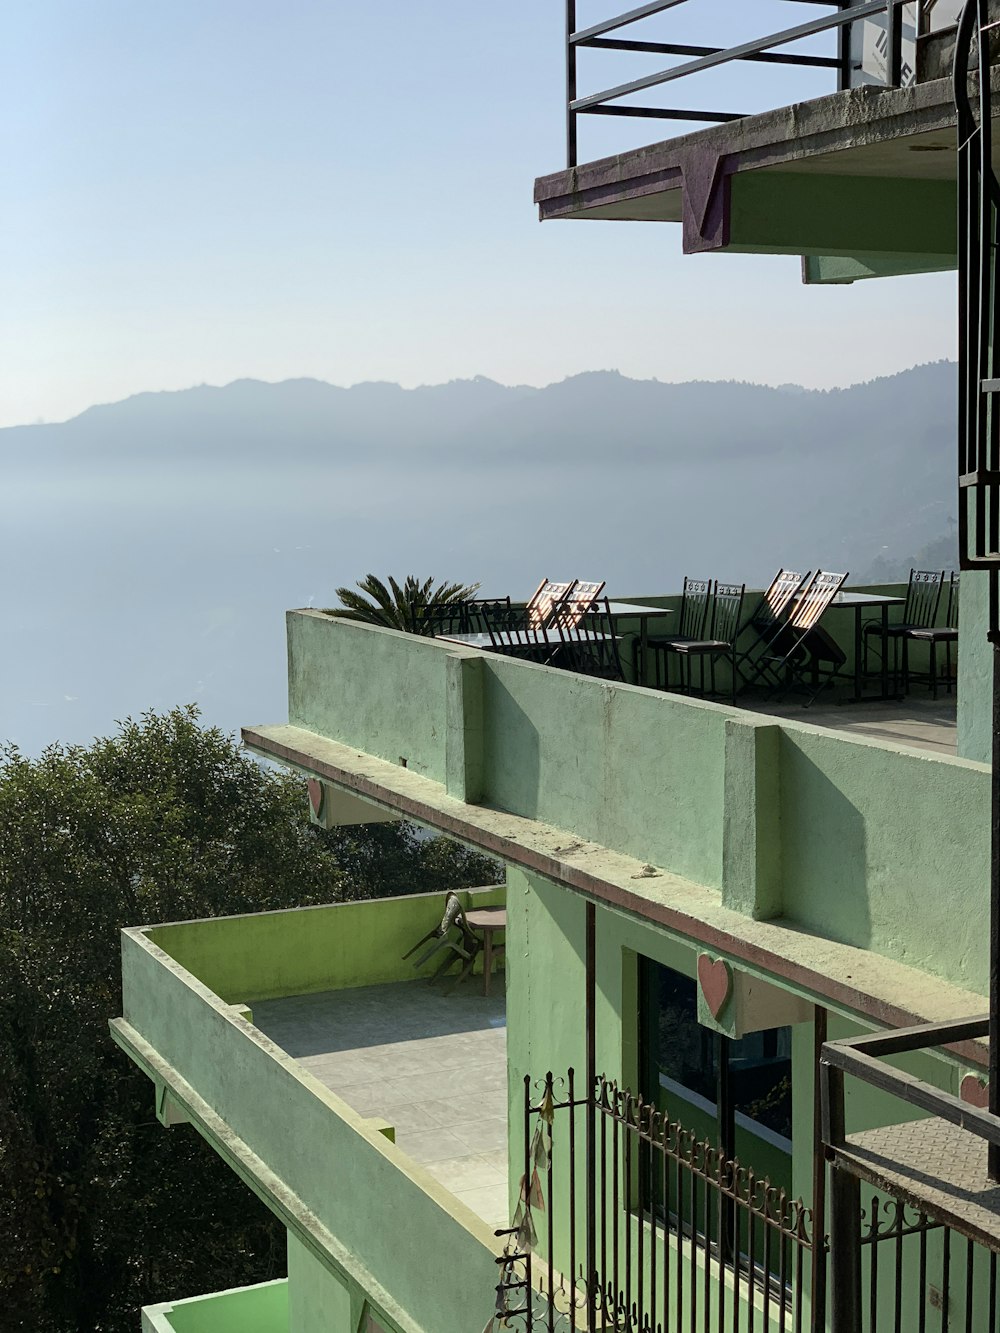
(540, 605)
(802, 643)
(765, 623)
(588, 642)
(932, 636)
(694, 616)
(727, 607)
(920, 611)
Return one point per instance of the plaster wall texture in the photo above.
(332, 668)
(297, 952)
(258, 1309)
(635, 770)
(339, 1177)
(318, 1301)
(975, 670)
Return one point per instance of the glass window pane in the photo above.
(760, 1079)
(684, 1053)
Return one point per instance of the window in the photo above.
(736, 1094)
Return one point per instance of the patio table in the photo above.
(527, 639)
(861, 602)
(487, 920)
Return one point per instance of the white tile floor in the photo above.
(432, 1065)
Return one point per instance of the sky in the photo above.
(203, 190)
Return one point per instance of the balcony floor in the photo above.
(434, 1066)
(927, 724)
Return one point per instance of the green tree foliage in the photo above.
(398, 606)
(101, 1210)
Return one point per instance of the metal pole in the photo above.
(993, 1155)
(819, 1180)
(570, 84)
(845, 1251)
(591, 1145)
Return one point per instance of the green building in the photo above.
(644, 1128)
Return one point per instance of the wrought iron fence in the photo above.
(892, 57)
(684, 1240)
(681, 1237)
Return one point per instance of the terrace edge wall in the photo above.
(300, 1146)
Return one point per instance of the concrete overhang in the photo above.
(855, 981)
(860, 182)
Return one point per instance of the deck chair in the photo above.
(464, 945)
(694, 617)
(923, 598)
(765, 623)
(932, 636)
(802, 645)
(727, 607)
(589, 644)
(542, 601)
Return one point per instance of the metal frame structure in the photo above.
(979, 547)
(760, 49)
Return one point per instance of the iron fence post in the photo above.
(993, 1155)
(591, 1129)
(845, 1251)
(570, 83)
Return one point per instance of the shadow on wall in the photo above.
(510, 752)
(824, 852)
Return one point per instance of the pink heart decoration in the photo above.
(716, 981)
(975, 1093)
(315, 795)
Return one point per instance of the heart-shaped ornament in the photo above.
(315, 795)
(975, 1093)
(716, 981)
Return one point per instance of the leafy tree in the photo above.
(398, 607)
(101, 1211)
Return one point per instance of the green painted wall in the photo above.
(260, 1309)
(975, 670)
(331, 667)
(339, 1178)
(855, 839)
(887, 850)
(638, 771)
(307, 949)
(546, 1025)
(318, 1301)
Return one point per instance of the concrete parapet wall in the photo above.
(858, 840)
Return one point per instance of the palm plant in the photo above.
(398, 606)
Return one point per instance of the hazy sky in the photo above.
(197, 190)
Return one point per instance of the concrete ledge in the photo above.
(853, 980)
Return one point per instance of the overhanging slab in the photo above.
(864, 144)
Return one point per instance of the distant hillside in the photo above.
(158, 540)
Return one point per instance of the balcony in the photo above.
(297, 1043)
(431, 1068)
(823, 129)
(259, 1309)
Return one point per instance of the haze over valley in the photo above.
(152, 546)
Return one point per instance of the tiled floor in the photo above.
(432, 1065)
(925, 723)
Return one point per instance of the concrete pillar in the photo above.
(751, 835)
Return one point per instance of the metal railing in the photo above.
(683, 1238)
(896, 69)
(680, 1236)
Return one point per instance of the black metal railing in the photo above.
(685, 1239)
(895, 68)
(681, 1236)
